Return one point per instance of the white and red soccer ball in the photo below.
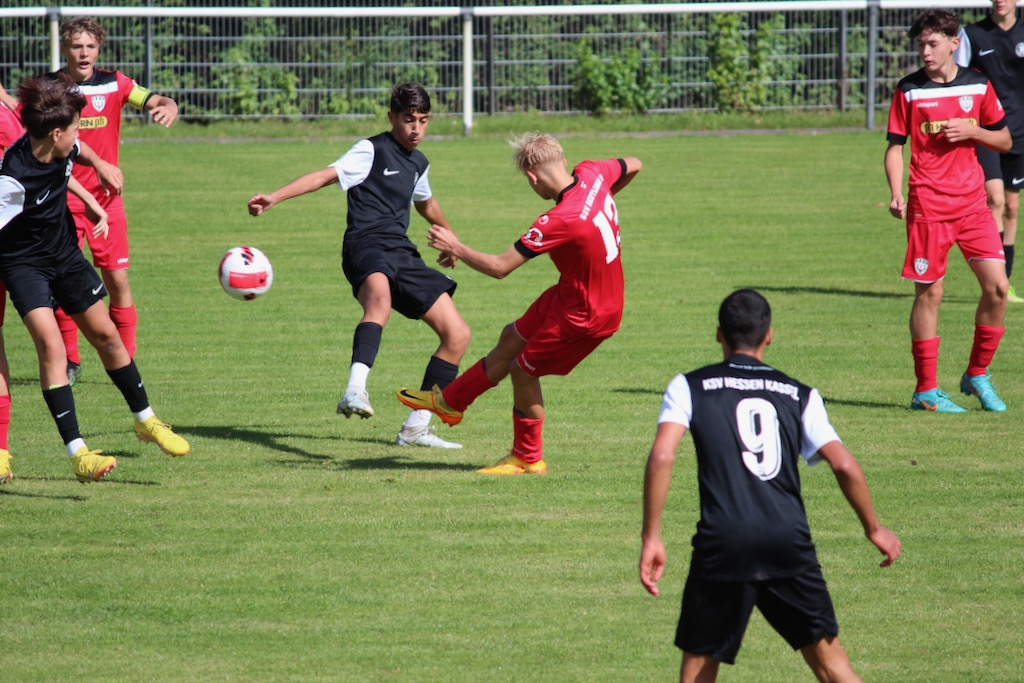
(245, 273)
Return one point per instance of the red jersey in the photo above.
(10, 128)
(581, 233)
(106, 92)
(946, 181)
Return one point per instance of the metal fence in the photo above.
(319, 61)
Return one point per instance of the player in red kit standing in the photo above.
(569, 320)
(106, 92)
(947, 110)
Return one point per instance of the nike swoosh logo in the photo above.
(60, 415)
(389, 172)
(97, 289)
(1017, 181)
(982, 53)
(40, 200)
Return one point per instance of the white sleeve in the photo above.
(354, 165)
(12, 199)
(422, 192)
(817, 430)
(677, 405)
(962, 54)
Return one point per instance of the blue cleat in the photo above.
(981, 387)
(935, 400)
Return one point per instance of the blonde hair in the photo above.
(531, 150)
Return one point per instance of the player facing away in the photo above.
(43, 265)
(946, 111)
(106, 93)
(751, 424)
(995, 47)
(570, 319)
(10, 131)
(384, 175)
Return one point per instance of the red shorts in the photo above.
(553, 346)
(929, 242)
(110, 252)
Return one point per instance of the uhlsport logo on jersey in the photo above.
(921, 266)
(98, 102)
(966, 102)
(1019, 50)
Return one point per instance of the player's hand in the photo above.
(99, 218)
(259, 204)
(959, 130)
(442, 238)
(446, 260)
(110, 177)
(887, 543)
(652, 564)
(898, 206)
(165, 113)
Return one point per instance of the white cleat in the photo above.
(425, 438)
(355, 403)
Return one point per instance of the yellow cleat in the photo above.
(510, 464)
(430, 400)
(1011, 296)
(155, 431)
(91, 466)
(6, 474)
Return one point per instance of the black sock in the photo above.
(366, 343)
(439, 372)
(61, 403)
(1008, 250)
(127, 379)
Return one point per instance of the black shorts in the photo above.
(71, 283)
(415, 286)
(715, 613)
(1006, 167)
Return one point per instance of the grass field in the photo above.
(292, 544)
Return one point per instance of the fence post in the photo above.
(148, 73)
(841, 61)
(467, 70)
(53, 19)
(872, 62)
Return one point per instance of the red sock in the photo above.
(127, 321)
(5, 419)
(986, 341)
(926, 362)
(69, 332)
(467, 387)
(527, 442)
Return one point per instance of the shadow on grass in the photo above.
(834, 290)
(639, 390)
(889, 405)
(399, 462)
(7, 491)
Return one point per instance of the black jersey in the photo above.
(750, 425)
(34, 219)
(999, 55)
(379, 205)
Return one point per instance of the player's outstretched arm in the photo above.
(431, 210)
(93, 210)
(495, 265)
(110, 176)
(311, 182)
(7, 98)
(657, 478)
(163, 109)
(855, 487)
(894, 174)
(633, 166)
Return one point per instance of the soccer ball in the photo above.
(245, 273)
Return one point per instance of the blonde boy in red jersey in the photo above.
(946, 111)
(106, 92)
(569, 320)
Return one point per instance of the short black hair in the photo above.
(409, 97)
(936, 21)
(744, 319)
(48, 103)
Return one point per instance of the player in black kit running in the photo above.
(751, 424)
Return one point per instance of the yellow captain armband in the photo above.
(139, 96)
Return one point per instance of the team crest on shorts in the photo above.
(1018, 50)
(920, 266)
(98, 102)
(966, 102)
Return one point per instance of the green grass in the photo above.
(292, 544)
